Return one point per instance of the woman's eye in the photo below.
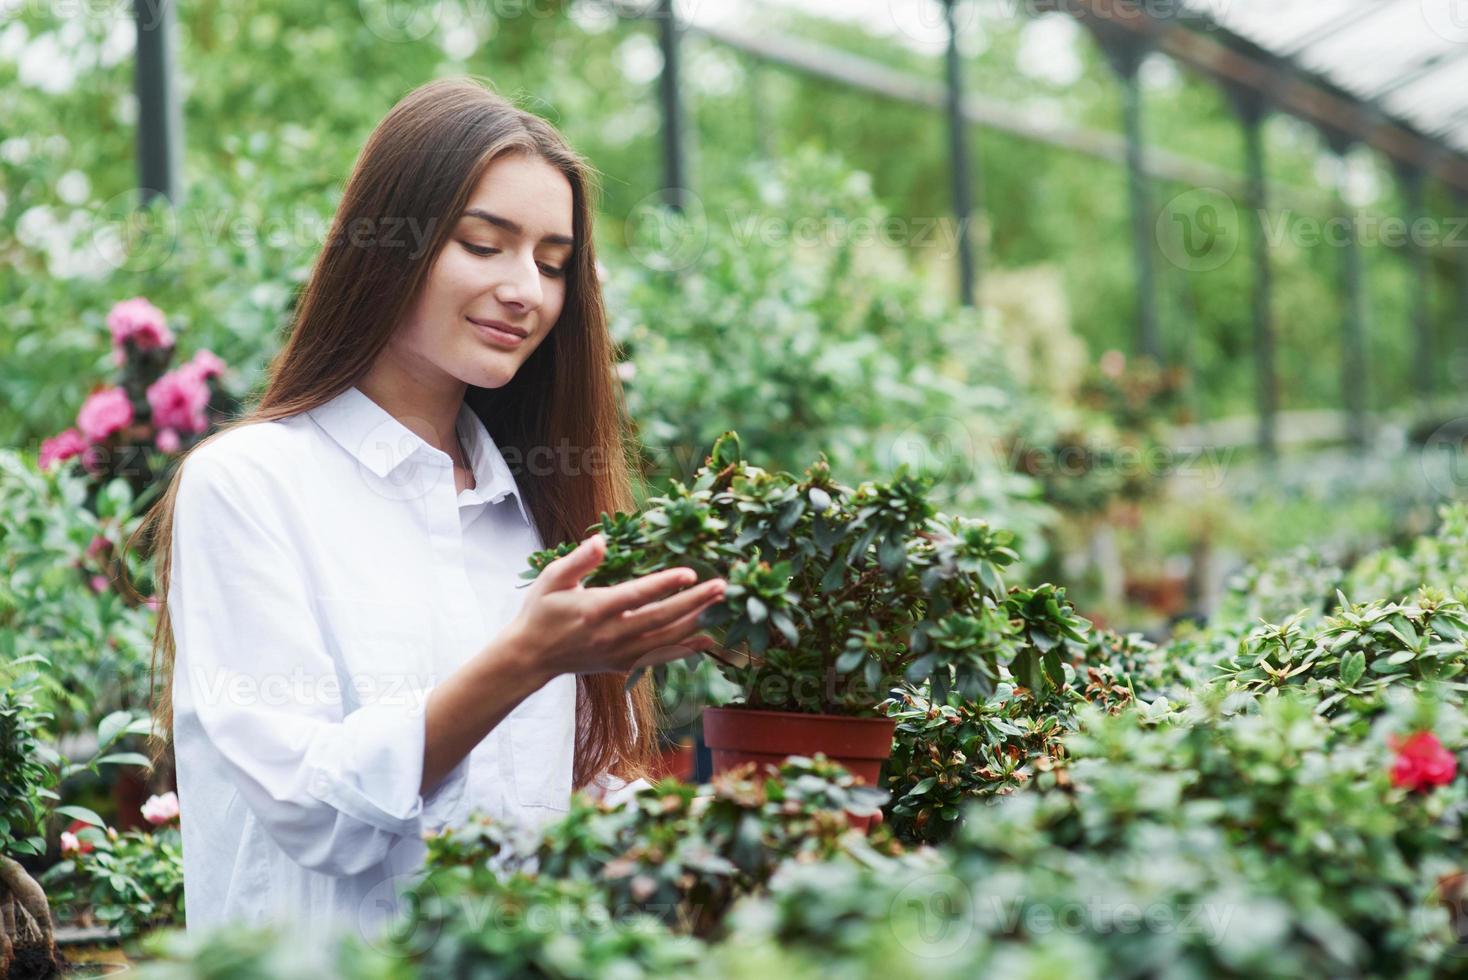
(552, 271)
(478, 249)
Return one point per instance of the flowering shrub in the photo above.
(132, 881)
(149, 409)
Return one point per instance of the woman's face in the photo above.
(497, 287)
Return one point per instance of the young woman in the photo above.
(351, 659)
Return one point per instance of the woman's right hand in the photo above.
(564, 627)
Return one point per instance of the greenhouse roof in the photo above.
(1392, 74)
(1407, 58)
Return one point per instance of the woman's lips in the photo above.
(497, 333)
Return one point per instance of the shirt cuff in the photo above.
(373, 770)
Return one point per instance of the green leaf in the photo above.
(1054, 669)
(111, 727)
(892, 553)
(125, 759)
(849, 659)
(1353, 665)
(756, 610)
(81, 813)
(834, 576)
(790, 515)
(786, 627)
(726, 450)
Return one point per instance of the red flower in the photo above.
(1421, 762)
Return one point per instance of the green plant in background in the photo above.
(837, 593)
(679, 852)
(817, 343)
(1110, 444)
(27, 782)
(539, 926)
(31, 772)
(58, 598)
(946, 754)
(1356, 655)
(274, 952)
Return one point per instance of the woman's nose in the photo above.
(520, 286)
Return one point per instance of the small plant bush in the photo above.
(837, 593)
(132, 881)
(677, 851)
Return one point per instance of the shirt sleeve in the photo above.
(334, 790)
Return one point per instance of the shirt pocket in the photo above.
(541, 763)
(384, 649)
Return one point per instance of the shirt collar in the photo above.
(381, 443)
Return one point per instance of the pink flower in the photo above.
(92, 458)
(167, 441)
(139, 321)
(1113, 363)
(152, 602)
(161, 809)
(100, 583)
(178, 400)
(103, 413)
(78, 846)
(206, 364)
(62, 446)
(99, 544)
(1421, 762)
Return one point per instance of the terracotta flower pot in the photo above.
(738, 735)
(675, 761)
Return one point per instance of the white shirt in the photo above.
(325, 576)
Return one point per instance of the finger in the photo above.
(676, 651)
(675, 633)
(569, 569)
(656, 615)
(612, 600)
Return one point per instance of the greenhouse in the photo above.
(634, 488)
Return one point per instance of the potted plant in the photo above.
(837, 594)
(27, 941)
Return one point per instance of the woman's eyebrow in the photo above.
(514, 227)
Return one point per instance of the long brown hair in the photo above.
(422, 163)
